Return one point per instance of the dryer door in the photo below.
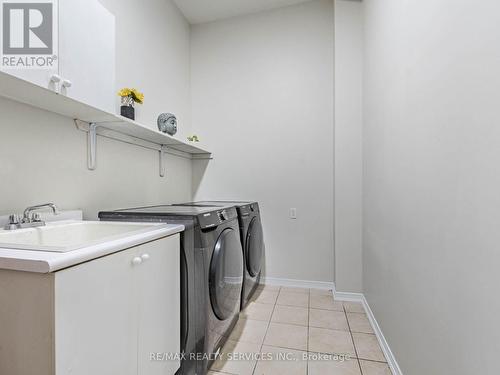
(254, 247)
(226, 274)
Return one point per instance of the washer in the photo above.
(211, 275)
(252, 241)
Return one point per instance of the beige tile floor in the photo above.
(308, 329)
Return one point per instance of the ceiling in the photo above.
(201, 11)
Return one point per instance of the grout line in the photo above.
(315, 308)
(275, 304)
(267, 330)
(308, 326)
(358, 331)
(330, 329)
(288, 324)
(300, 307)
(344, 310)
(372, 360)
(352, 338)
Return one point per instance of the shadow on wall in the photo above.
(199, 170)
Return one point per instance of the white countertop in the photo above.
(45, 262)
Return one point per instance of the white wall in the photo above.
(43, 156)
(152, 54)
(432, 181)
(348, 145)
(262, 98)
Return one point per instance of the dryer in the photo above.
(211, 275)
(252, 241)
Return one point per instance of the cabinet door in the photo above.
(40, 77)
(87, 52)
(159, 305)
(96, 317)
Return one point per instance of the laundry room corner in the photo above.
(281, 154)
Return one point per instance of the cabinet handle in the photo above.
(56, 78)
(67, 83)
(136, 261)
(145, 257)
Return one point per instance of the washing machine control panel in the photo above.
(222, 215)
(248, 209)
(215, 218)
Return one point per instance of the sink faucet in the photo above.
(30, 218)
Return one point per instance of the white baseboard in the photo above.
(348, 297)
(293, 283)
(359, 297)
(391, 360)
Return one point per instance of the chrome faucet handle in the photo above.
(14, 219)
(35, 217)
(14, 222)
(29, 219)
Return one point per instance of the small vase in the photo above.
(128, 111)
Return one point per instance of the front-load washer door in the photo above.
(254, 247)
(226, 274)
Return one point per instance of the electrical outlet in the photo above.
(293, 213)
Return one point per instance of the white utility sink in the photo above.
(62, 237)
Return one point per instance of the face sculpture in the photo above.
(167, 123)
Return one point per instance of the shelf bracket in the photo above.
(92, 146)
(103, 129)
(161, 153)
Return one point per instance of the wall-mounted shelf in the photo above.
(98, 122)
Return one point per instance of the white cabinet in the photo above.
(105, 316)
(87, 53)
(86, 56)
(159, 311)
(96, 317)
(40, 77)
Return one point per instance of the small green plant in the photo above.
(193, 138)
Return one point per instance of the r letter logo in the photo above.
(29, 34)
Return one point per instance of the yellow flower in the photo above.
(138, 96)
(134, 94)
(124, 92)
